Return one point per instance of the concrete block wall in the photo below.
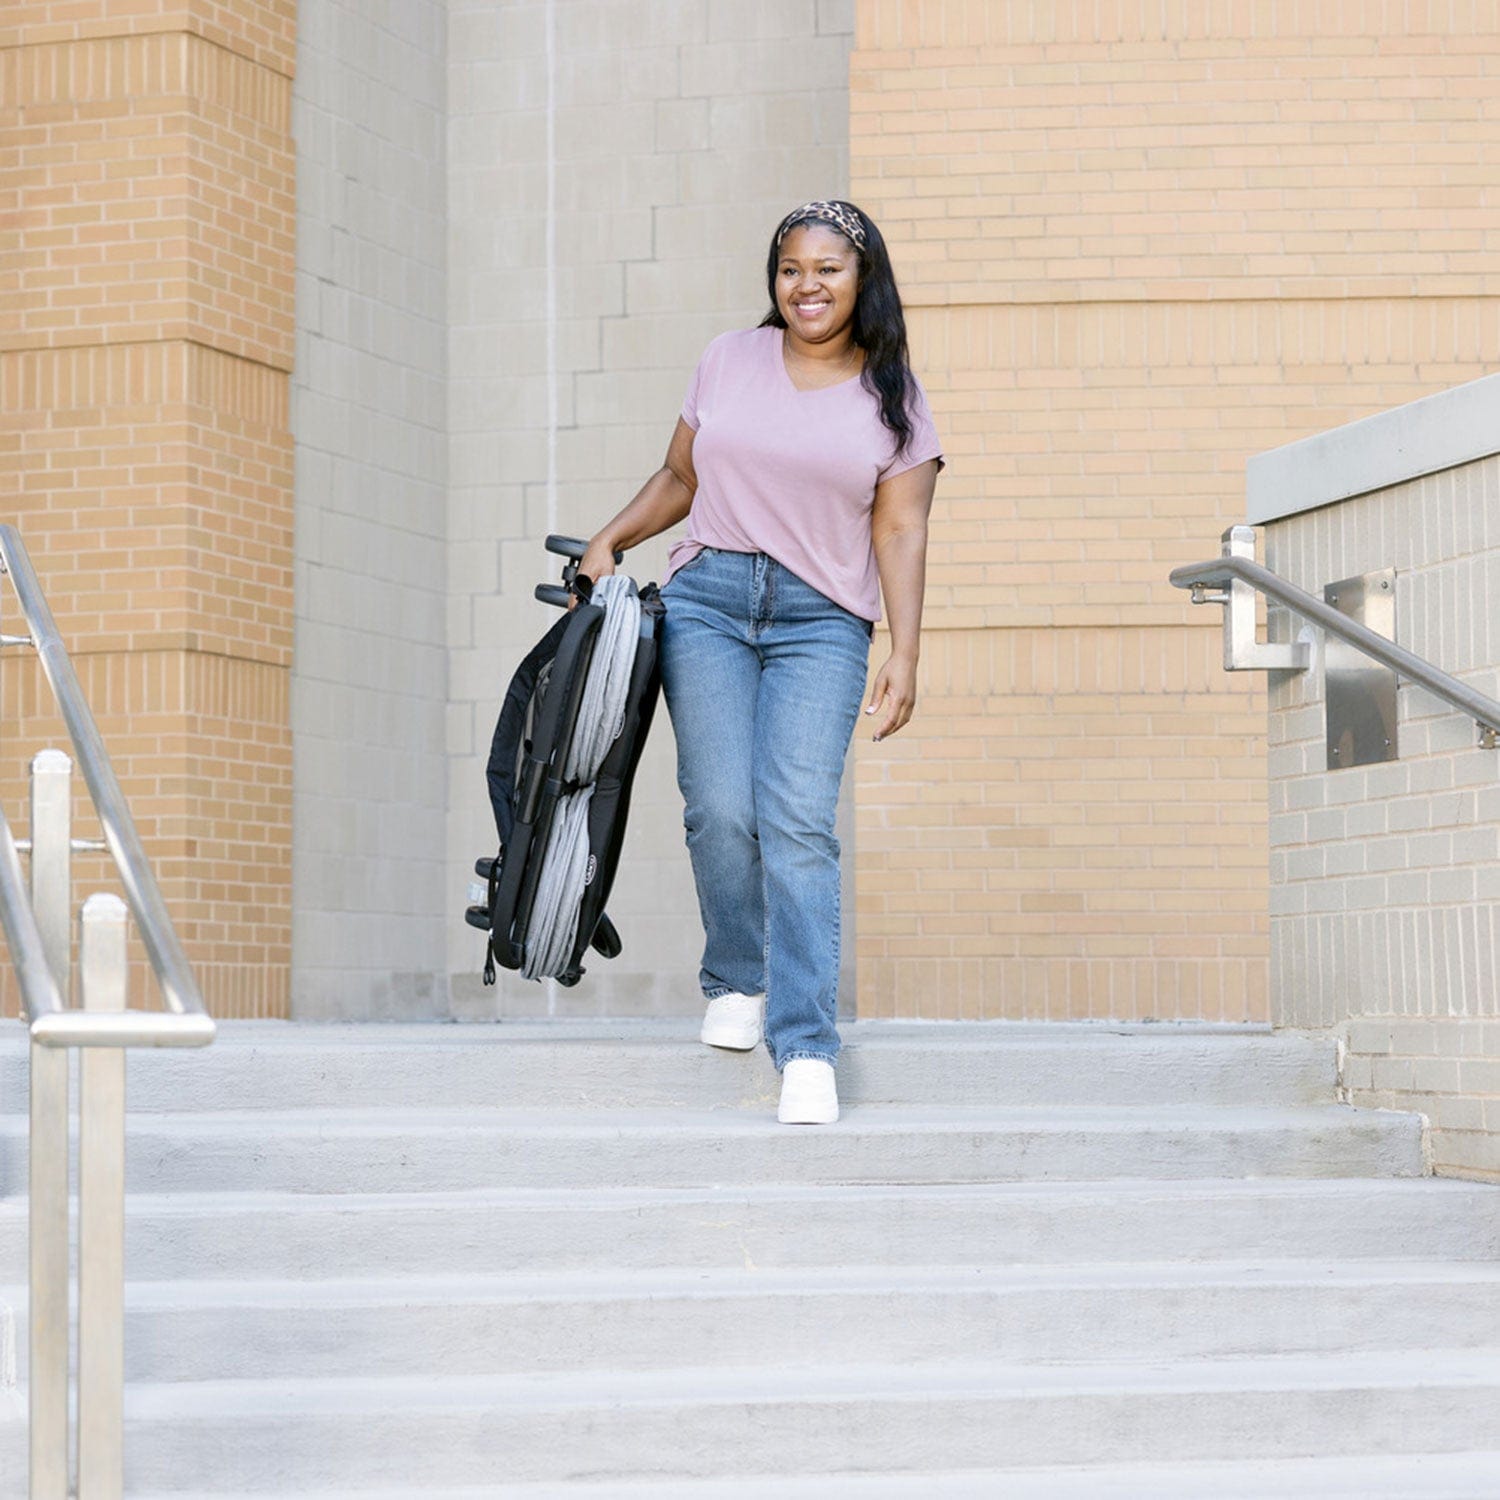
(369, 410)
(615, 170)
(1385, 879)
(1139, 244)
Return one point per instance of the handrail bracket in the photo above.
(1242, 651)
(1234, 578)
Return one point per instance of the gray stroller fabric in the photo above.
(601, 716)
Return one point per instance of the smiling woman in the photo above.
(804, 461)
(816, 287)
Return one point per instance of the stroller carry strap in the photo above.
(565, 870)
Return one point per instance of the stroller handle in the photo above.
(574, 547)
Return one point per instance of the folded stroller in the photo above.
(565, 749)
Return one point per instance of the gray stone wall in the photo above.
(369, 872)
(615, 170)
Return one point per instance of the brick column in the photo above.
(144, 377)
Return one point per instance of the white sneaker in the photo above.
(733, 1021)
(809, 1095)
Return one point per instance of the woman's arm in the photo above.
(664, 499)
(898, 528)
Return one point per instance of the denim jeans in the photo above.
(763, 678)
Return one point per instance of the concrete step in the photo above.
(355, 1151)
(1382, 1476)
(689, 1424)
(252, 1236)
(454, 1325)
(264, 1065)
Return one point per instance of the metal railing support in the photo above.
(52, 859)
(49, 1278)
(1242, 651)
(1212, 582)
(47, 1322)
(101, 1210)
(38, 934)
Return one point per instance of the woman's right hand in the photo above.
(598, 561)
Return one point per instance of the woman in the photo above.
(804, 460)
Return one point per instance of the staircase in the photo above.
(578, 1261)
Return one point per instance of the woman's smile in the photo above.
(817, 285)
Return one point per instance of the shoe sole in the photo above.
(730, 1040)
(821, 1120)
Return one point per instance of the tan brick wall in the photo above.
(143, 407)
(1138, 244)
(1037, 851)
(153, 177)
(199, 743)
(265, 31)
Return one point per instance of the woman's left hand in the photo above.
(894, 695)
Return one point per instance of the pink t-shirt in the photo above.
(791, 473)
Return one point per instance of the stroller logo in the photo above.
(591, 870)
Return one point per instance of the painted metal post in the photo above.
(101, 1211)
(51, 871)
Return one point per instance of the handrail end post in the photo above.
(1238, 541)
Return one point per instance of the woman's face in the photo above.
(817, 282)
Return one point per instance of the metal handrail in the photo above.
(179, 989)
(1226, 570)
(28, 956)
(37, 925)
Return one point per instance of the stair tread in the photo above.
(217, 1400)
(339, 1036)
(195, 1201)
(1426, 1476)
(865, 1119)
(843, 1280)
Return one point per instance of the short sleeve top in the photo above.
(792, 473)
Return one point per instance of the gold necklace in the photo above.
(815, 364)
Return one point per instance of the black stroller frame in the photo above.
(527, 784)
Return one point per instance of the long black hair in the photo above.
(879, 324)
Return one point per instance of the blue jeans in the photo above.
(763, 677)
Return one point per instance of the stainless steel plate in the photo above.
(1361, 706)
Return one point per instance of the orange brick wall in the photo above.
(144, 367)
(1138, 244)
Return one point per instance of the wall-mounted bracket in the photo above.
(1236, 568)
(1360, 692)
(1242, 651)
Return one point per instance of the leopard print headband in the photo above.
(826, 211)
